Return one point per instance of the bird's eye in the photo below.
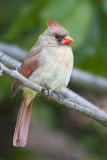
(56, 36)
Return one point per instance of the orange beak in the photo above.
(66, 40)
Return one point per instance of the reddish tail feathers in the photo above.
(22, 125)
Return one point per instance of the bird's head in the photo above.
(55, 35)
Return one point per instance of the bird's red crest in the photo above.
(52, 23)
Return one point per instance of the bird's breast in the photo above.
(55, 67)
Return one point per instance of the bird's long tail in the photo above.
(22, 125)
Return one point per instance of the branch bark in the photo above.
(79, 78)
(89, 81)
(71, 100)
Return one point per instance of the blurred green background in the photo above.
(21, 22)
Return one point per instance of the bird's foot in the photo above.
(51, 93)
(59, 96)
(14, 67)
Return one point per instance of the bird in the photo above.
(49, 63)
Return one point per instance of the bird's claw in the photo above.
(59, 96)
(14, 68)
(51, 93)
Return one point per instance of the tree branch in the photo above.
(13, 51)
(71, 100)
(88, 81)
(79, 78)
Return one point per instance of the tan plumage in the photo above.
(49, 63)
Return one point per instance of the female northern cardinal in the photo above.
(49, 63)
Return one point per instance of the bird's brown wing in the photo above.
(26, 69)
